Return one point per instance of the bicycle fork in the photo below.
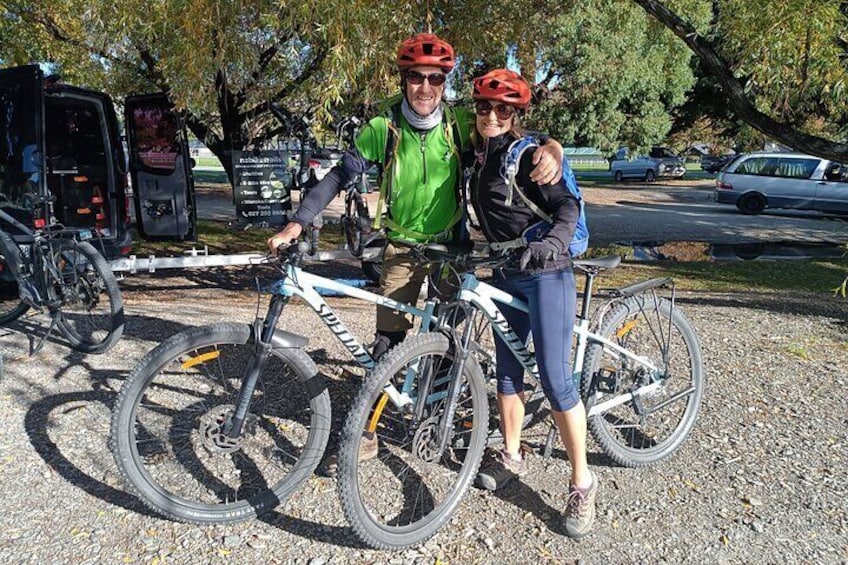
(263, 332)
(461, 352)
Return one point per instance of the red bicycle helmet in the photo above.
(503, 85)
(425, 50)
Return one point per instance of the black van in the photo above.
(64, 141)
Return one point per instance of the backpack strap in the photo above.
(510, 171)
(388, 166)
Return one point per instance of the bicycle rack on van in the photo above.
(200, 258)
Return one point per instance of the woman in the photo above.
(543, 278)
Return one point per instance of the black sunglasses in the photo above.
(416, 78)
(502, 111)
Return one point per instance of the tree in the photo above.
(780, 65)
(224, 63)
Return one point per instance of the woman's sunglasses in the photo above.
(502, 111)
(416, 78)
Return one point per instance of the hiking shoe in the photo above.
(580, 510)
(368, 448)
(499, 469)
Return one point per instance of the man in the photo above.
(423, 139)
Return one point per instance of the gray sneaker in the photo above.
(499, 469)
(580, 510)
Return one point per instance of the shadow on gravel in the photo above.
(135, 326)
(781, 303)
(38, 424)
(316, 531)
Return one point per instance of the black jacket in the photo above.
(499, 222)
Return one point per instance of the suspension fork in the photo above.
(462, 351)
(264, 332)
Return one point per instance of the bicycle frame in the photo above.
(12, 249)
(483, 297)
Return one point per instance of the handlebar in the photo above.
(458, 260)
(292, 252)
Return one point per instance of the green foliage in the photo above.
(789, 56)
(616, 75)
(793, 55)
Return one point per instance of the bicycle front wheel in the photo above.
(168, 433)
(404, 494)
(11, 306)
(642, 429)
(91, 316)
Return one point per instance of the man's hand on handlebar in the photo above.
(286, 236)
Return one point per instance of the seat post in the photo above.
(587, 293)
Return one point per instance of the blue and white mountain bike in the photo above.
(640, 374)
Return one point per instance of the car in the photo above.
(659, 162)
(755, 182)
(714, 163)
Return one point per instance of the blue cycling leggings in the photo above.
(552, 299)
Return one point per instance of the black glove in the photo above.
(537, 255)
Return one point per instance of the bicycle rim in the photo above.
(92, 311)
(169, 427)
(409, 490)
(653, 425)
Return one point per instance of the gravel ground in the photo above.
(763, 477)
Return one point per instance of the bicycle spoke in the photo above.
(179, 427)
(664, 403)
(415, 482)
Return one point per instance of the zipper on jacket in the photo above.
(423, 154)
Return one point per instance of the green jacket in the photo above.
(420, 184)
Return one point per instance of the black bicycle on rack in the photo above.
(360, 239)
(51, 269)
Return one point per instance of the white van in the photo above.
(756, 181)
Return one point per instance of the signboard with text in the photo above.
(261, 187)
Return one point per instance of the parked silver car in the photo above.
(660, 162)
(756, 181)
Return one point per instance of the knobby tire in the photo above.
(166, 431)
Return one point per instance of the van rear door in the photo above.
(22, 144)
(160, 169)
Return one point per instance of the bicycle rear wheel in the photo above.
(167, 426)
(410, 489)
(91, 316)
(11, 306)
(650, 426)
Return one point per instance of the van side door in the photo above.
(789, 185)
(160, 169)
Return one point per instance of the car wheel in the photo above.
(751, 203)
(619, 176)
(650, 175)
